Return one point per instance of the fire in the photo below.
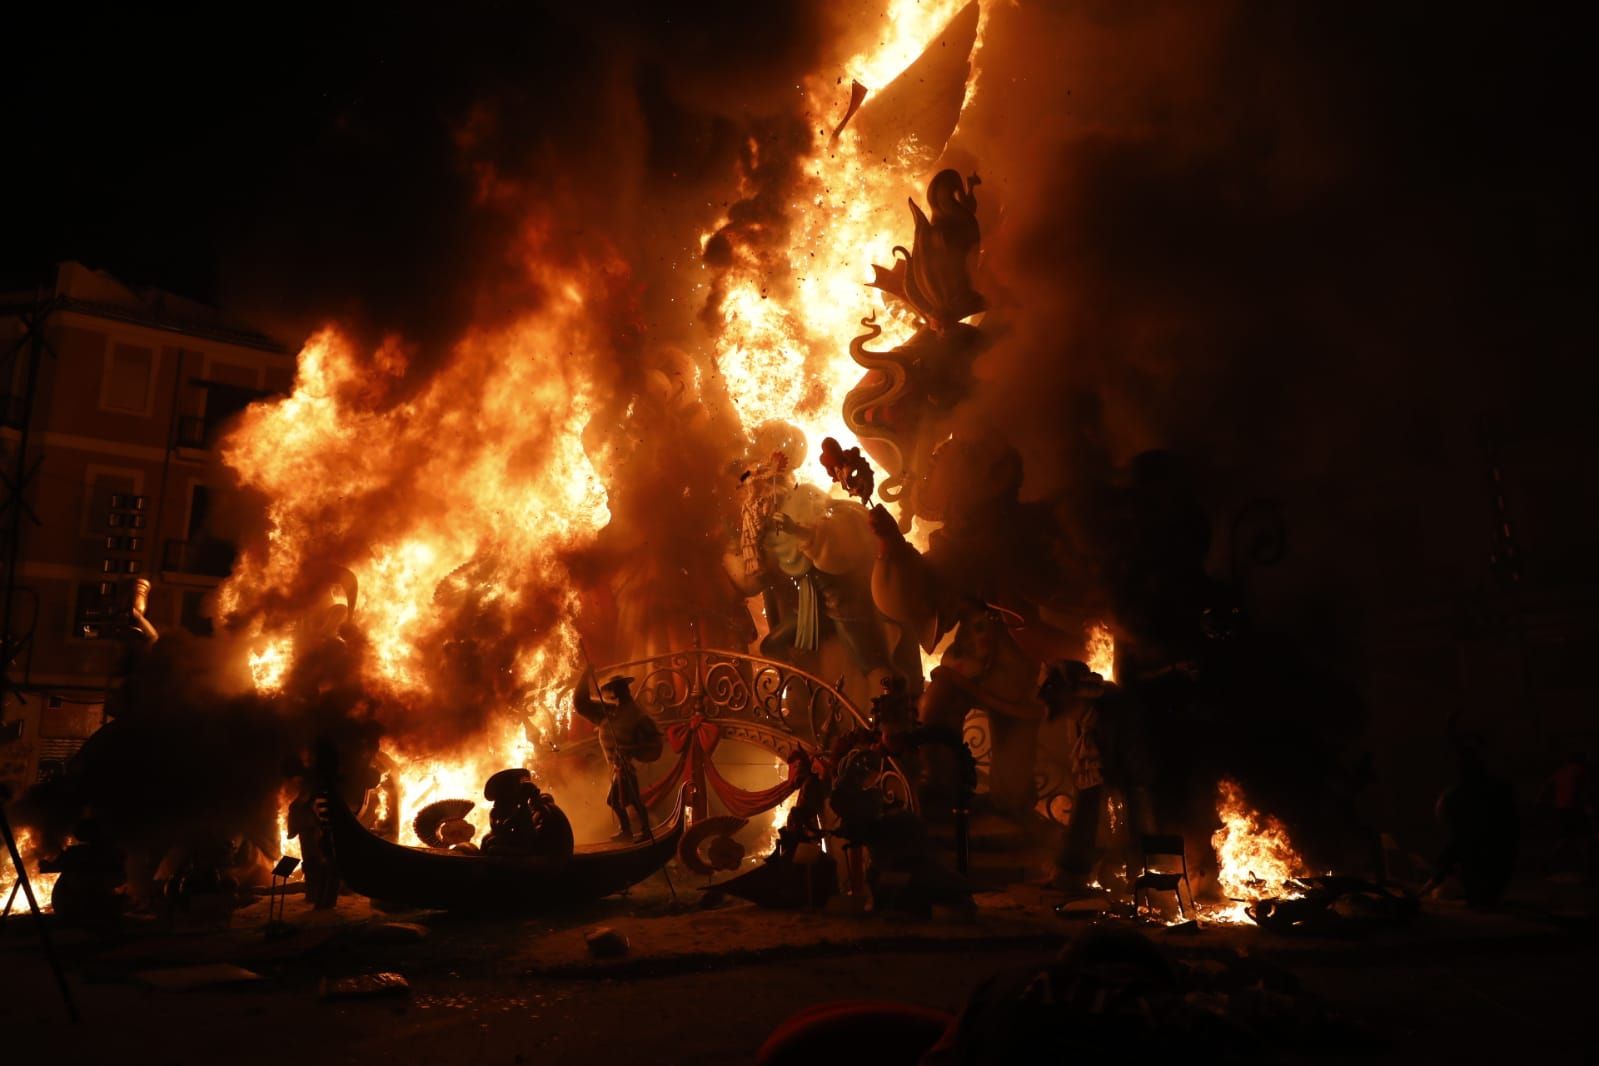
(43, 884)
(424, 779)
(453, 506)
(785, 316)
(491, 504)
(269, 664)
(1102, 651)
(286, 845)
(779, 813)
(1254, 857)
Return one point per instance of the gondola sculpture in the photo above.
(457, 881)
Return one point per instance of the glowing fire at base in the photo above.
(1254, 857)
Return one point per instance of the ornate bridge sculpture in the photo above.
(702, 696)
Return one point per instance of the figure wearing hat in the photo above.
(626, 734)
(1108, 757)
(524, 818)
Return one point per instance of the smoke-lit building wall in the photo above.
(108, 454)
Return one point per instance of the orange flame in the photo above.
(477, 486)
(470, 491)
(43, 884)
(779, 813)
(1102, 651)
(1253, 854)
(269, 664)
(785, 318)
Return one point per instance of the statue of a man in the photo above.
(626, 734)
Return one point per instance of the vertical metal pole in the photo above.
(38, 918)
(700, 800)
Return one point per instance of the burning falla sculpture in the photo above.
(899, 407)
(809, 557)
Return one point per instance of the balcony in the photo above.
(207, 560)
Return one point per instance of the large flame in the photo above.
(780, 812)
(1102, 651)
(43, 884)
(461, 500)
(453, 508)
(1254, 857)
(786, 316)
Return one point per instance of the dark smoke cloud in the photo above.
(1311, 249)
(342, 165)
(1304, 245)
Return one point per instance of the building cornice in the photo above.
(118, 313)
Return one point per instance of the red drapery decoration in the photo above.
(694, 741)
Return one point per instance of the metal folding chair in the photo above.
(1157, 846)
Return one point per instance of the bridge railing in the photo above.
(753, 699)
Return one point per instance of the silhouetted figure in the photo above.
(1112, 995)
(1108, 756)
(91, 869)
(1479, 816)
(894, 712)
(1571, 793)
(524, 819)
(988, 576)
(316, 850)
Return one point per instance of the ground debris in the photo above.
(605, 943)
(392, 933)
(363, 986)
(188, 978)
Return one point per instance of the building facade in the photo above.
(111, 401)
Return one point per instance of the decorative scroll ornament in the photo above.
(898, 409)
(702, 697)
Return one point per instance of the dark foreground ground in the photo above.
(708, 986)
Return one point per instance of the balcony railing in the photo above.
(759, 701)
(205, 558)
(192, 432)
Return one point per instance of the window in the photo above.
(202, 552)
(199, 510)
(92, 616)
(223, 402)
(208, 407)
(126, 387)
(108, 501)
